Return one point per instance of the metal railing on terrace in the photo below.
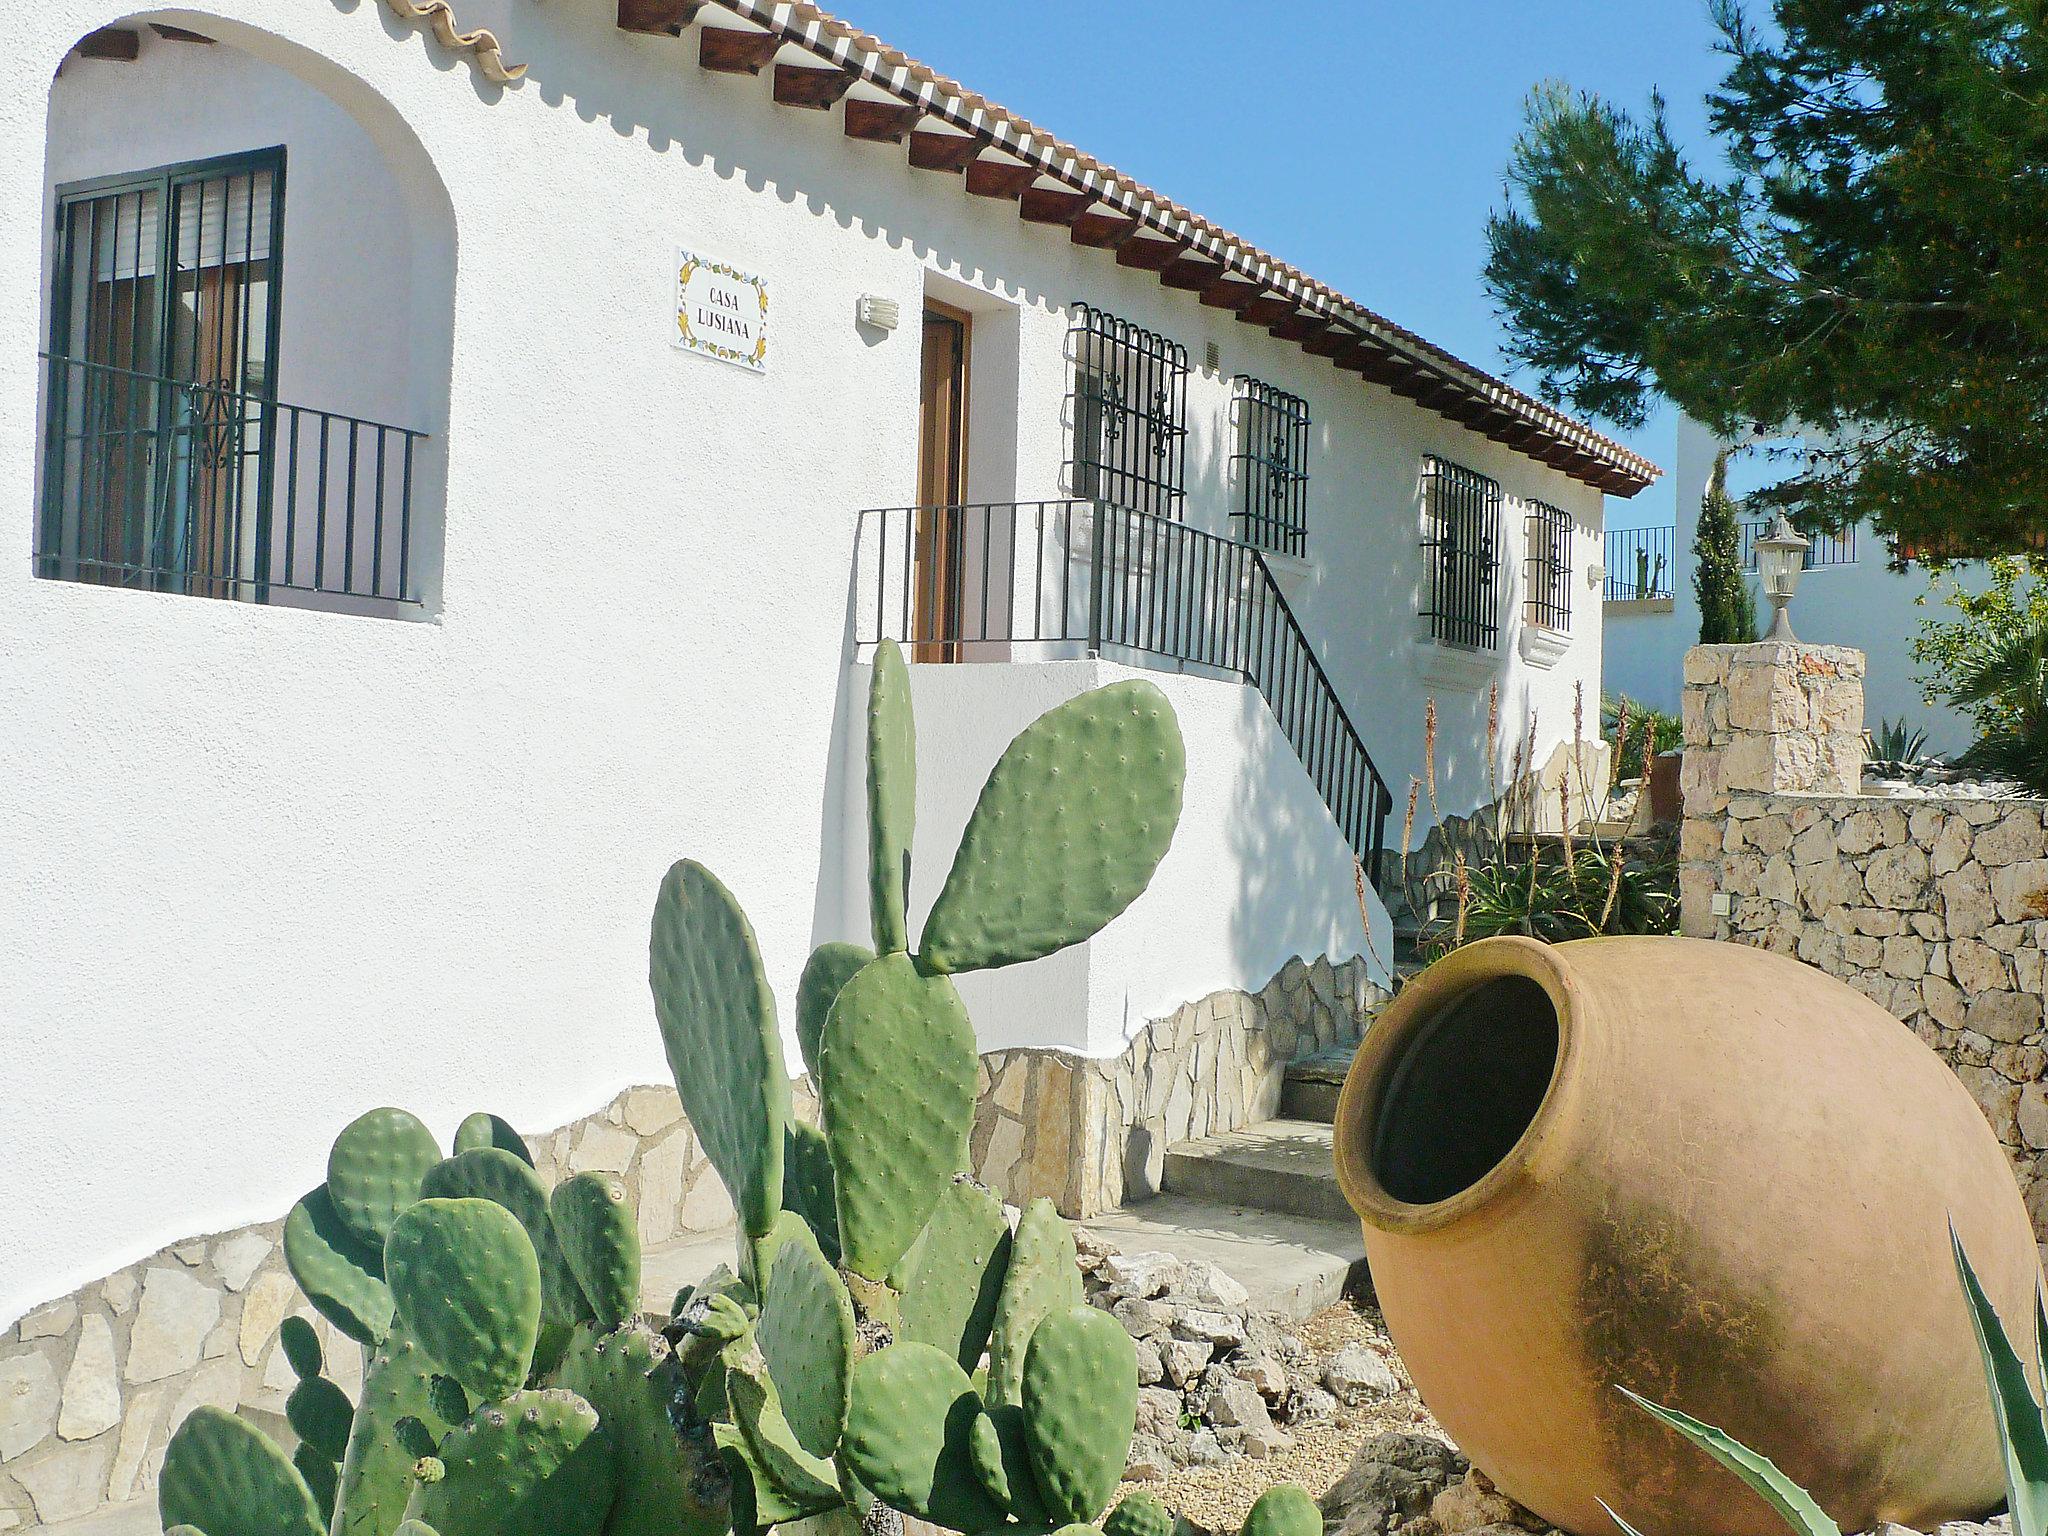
(174, 486)
(1824, 548)
(1036, 580)
(1638, 564)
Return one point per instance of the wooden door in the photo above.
(941, 483)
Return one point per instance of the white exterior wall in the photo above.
(263, 868)
(1864, 604)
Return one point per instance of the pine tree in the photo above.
(1853, 264)
(1727, 610)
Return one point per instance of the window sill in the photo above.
(1453, 666)
(1542, 647)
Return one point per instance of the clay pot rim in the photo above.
(1419, 1003)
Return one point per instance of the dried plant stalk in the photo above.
(1429, 755)
(1493, 741)
(1365, 919)
(1613, 886)
(1408, 826)
(1464, 897)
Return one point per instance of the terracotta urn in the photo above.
(1702, 1171)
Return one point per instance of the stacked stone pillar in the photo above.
(1777, 717)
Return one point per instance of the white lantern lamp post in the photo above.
(1780, 560)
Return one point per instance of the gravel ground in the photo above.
(1218, 1498)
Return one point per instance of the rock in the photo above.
(1159, 1411)
(1151, 1368)
(1308, 1405)
(1143, 1319)
(1222, 1329)
(263, 1309)
(1148, 1462)
(92, 1387)
(178, 1311)
(1185, 1360)
(663, 1169)
(1264, 1440)
(28, 1402)
(1266, 1374)
(235, 1259)
(145, 1409)
(707, 1206)
(1141, 1275)
(1999, 1525)
(1213, 1288)
(604, 1149)
(1476, 1505)
(119, 1289)
(648, 1110)
(50, 1322)
(1237, 1405)
(1394, 1477)
(1356, 1375)
(1204, 1449)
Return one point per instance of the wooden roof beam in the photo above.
(171, 34)
(665, 18)
(799, 85)
(1231, 293)
(1150, 255)
(1267, 309)
(942, 151)
(1193, 273)
(1104, 231)
(1331, 343)
(879, 122)
(730, 51)
(123, 44)
(988, 177)
(1299, 327)
(1053, 205)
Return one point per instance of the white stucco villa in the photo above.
(443, 461)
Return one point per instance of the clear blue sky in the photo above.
(1361, 140)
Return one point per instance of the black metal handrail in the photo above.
(1639, 564)
(983, 581)
(180, 485)
(1838, 548)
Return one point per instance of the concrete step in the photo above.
(1313, 1083)
(1276, 1165)
(1292, 1265)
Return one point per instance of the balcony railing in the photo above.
(1050, 579)
(169, 485)
(1638, 564)
(1825, 548)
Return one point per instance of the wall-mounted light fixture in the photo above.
(882, 313)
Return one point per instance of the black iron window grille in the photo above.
(1461, 542)
(1129, 413)
(1549, 532)
(1271, 463)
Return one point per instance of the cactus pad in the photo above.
(670, 1481)
(1002, 1461)
(952, 1275)
(375, 1168)
(601, 1241)
(482, 1130)
(533, 1465)
(1044, 1277)
(225, 1477)
(892, 797)
(897, 1080)
(415, 1528)
(467, 1287)
(323, 1478)
(496, 1173)
(376, 1474)
(807, 1184)
(909, 1431)
(1140, 1513)
(830, 967)
(718, 1027)
(806, 1335)
(320, 1413)
(341, 1274)
(301, 1347)
(1284, 1510)
(810, 1483)
(1080, 1406)
(1075, 817)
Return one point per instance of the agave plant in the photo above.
(1895, 743)
(2022, 1427)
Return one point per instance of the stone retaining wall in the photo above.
(1935, 908)
(91, 1385)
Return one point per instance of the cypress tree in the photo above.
(1727, 611)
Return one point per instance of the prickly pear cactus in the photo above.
(884, 1344)
(1284, 1510)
